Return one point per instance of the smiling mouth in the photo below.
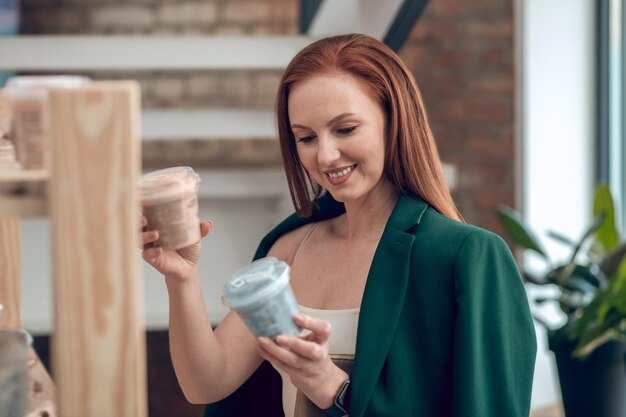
(339, 174)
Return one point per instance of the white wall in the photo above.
(558, 130)
(244, 206)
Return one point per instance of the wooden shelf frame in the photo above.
(98, 340)
(23, 193)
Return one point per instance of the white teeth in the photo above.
(339, 174)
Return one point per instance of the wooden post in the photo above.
(98, 344)
(10, 275)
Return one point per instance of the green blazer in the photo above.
(444, 329)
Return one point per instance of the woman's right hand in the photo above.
(177, 264)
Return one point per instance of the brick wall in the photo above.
(461, 54)
(198, 17)
(250, 89)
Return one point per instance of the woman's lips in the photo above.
(336, 177)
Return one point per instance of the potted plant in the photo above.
(590, 291)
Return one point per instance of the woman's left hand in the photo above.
(306, 360)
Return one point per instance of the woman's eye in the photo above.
(347, 130)
(306, 139)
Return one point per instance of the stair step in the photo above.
(207, 124)
(372, 17)
(84, 52)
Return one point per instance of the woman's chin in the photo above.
(342, 196)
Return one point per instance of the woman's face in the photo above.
(340, 135)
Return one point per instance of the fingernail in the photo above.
(281, 339)
(153, 260)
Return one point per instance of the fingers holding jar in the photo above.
(148, 237)
(306, 360)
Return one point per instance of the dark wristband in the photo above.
(342, 401)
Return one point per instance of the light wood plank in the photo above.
(23, 193)
(23, 206)
(8, 177)
(10, 271)
(99, 343)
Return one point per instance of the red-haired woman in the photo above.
(411, 312)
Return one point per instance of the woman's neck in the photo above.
(367, 216)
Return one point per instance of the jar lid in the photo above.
(39, 82)
(37, 86)
(256, 282)
(168, 184)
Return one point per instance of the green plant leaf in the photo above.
(521, 234)
(589, 315)
(541, 300)
(605, 317)
(608, 307)
(619, 282)
(607, 232)
(595, 225)
(595, 251)
(596, 333)
(561, 238)
(584, 348)
(612, 260)
(563, 273)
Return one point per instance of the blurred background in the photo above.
(524, 97)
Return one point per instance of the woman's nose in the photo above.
(327, 152)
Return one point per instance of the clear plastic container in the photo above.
(169, 200)
(7, 156)
(260, 293)
(28, 100)
(13, 349)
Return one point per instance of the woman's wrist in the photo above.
(174, 280)
(325, 397)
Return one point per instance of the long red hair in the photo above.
(412, 162)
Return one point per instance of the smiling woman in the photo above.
(340, 136)
(408, 311)
(370, 72)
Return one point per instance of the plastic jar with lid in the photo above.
(169, 200)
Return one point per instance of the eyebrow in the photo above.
(329, 123)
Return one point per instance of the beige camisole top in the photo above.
(341, 346)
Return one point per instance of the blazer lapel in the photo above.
(385, 289)
(383, 300)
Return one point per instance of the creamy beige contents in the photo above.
(169, 200)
